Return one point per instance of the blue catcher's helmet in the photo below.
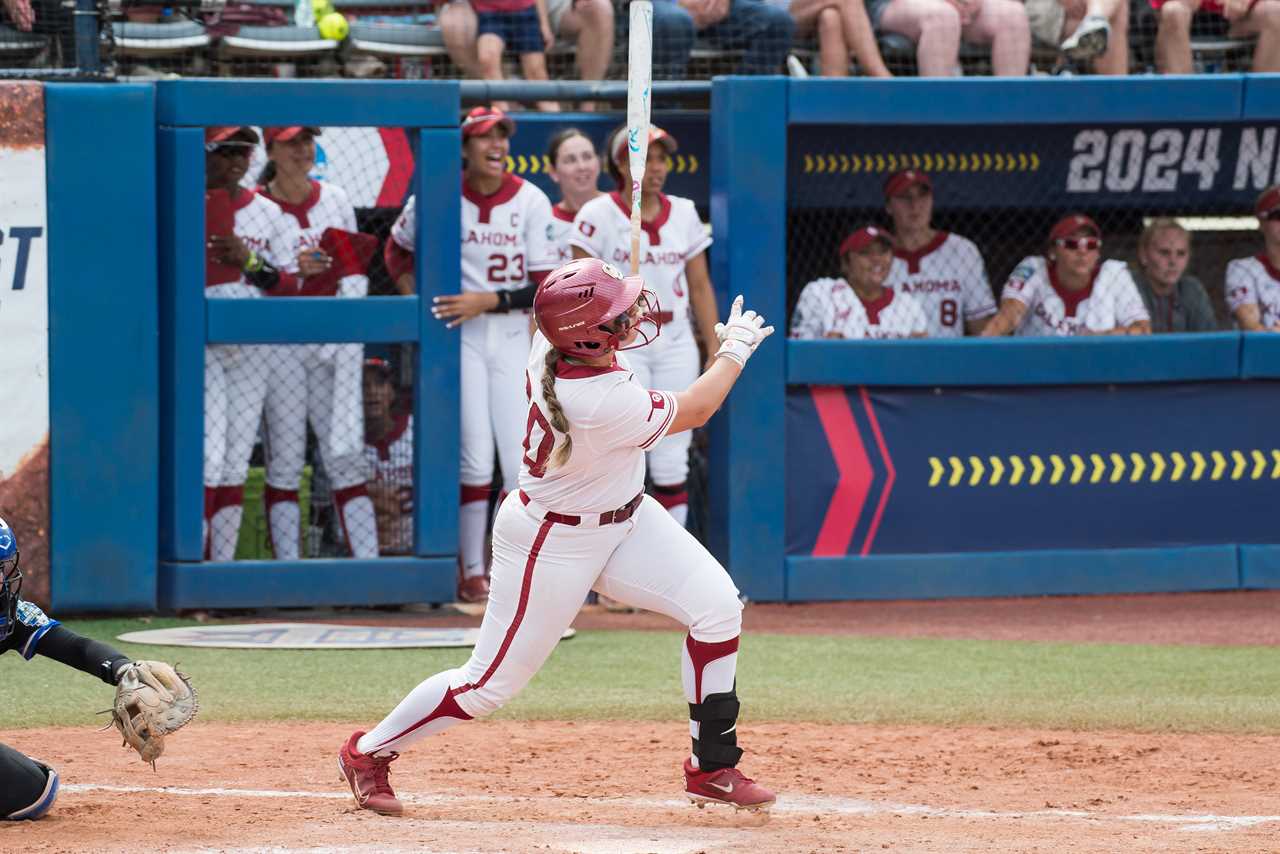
(10, 579)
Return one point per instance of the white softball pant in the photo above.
(668, 364)
(541, 572)
(235, 384)
(495, 352)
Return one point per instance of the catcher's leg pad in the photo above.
(717, 743)
(27, 788)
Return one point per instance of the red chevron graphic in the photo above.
(855, 471)
(888, 464)
(395, 187)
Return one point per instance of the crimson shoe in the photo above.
(473, 589)
(725, 786)
(367, 777)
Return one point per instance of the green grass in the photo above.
(635, 675)
(252, 544)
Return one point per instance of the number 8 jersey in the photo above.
(506, 236)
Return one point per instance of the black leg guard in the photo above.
(717, 743)
(27, 788)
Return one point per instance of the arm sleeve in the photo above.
(93, 657)
(1239, 285)
(806, 319)
(403, 231)
(628, 416)
(1021, 283)
(587, 235)
(697, 237)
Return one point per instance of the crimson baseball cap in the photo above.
(618, 143)
(1268, 201)
(480, 120)
(899, 182)
(1069, 225)
(218, 134)
(864, 237)
(379, 366)
(270, 135)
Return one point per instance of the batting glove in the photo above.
(741, 334)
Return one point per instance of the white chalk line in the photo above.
(804, 805)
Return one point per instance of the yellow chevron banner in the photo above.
(842, 163)
(1105, 468)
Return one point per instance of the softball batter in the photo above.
(673, 262)
(247, 254)
(319, 383)
(581, 521)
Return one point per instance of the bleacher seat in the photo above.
(144, 41)
(288, 41)
(18, 48)
(396, 40)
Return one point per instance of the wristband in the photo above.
(739, 351)
(504, 303)
(253, 263)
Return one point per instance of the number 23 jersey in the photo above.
(506, 235)
(613, 420)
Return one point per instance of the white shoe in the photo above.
(795, 67)
(1090, 38)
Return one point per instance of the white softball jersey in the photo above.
(830, 308)
(506, 236)
(613, 420)
(261, 226)
(561, 228)
(1254, 281)
(1111, 301)
(949, 280)
(328, 206)
(390, 463)
(602, 229)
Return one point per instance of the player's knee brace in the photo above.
(717, 743)
(29, 787)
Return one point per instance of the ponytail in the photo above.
(268, 174)
(558, 421)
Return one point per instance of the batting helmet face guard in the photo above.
(587, 308)
(10, 579)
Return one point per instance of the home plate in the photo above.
(308, 636)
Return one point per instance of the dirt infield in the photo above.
(566, 787)
(615, 788)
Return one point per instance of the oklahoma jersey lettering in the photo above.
(505, 236)
(559, 230)
(1253, 281)
(602, 229)
(261, 226)
(830, 308)
(1111, 301)
(327, 207)
(613, 420)
(949, 280)
(391, 464)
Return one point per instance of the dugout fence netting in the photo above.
(1004, 191)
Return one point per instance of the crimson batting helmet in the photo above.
(587, 308)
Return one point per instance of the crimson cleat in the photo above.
(725, 786)
(473, 589)
(367, 777)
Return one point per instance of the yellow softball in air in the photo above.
(333, 26)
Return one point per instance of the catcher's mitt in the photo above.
(152, 700)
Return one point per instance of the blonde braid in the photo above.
(558, 421)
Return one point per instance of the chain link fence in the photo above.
(308, 451)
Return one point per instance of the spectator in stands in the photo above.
(762, 31)
(46, 17)
(1069, 290)
(1176, 301)
(575, 169)
(860, 305)
(388, 451)
(843, 30)
(478, 32)
(1253, 283)
(937, 26)
(1090, 31)
(944, 272)
(1247, 18)
(588, 23)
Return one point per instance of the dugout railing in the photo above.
(886, 469)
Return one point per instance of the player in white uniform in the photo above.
(1070, 290)
(506, 251)
(673, 262)
(943, 271)
(388, 453)
(860, 305)
(581, 521)
(248, 243)
(1253, 283)
(575, 168)
(316, 383)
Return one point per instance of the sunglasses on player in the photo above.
(1079, 244)
(230, 149)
